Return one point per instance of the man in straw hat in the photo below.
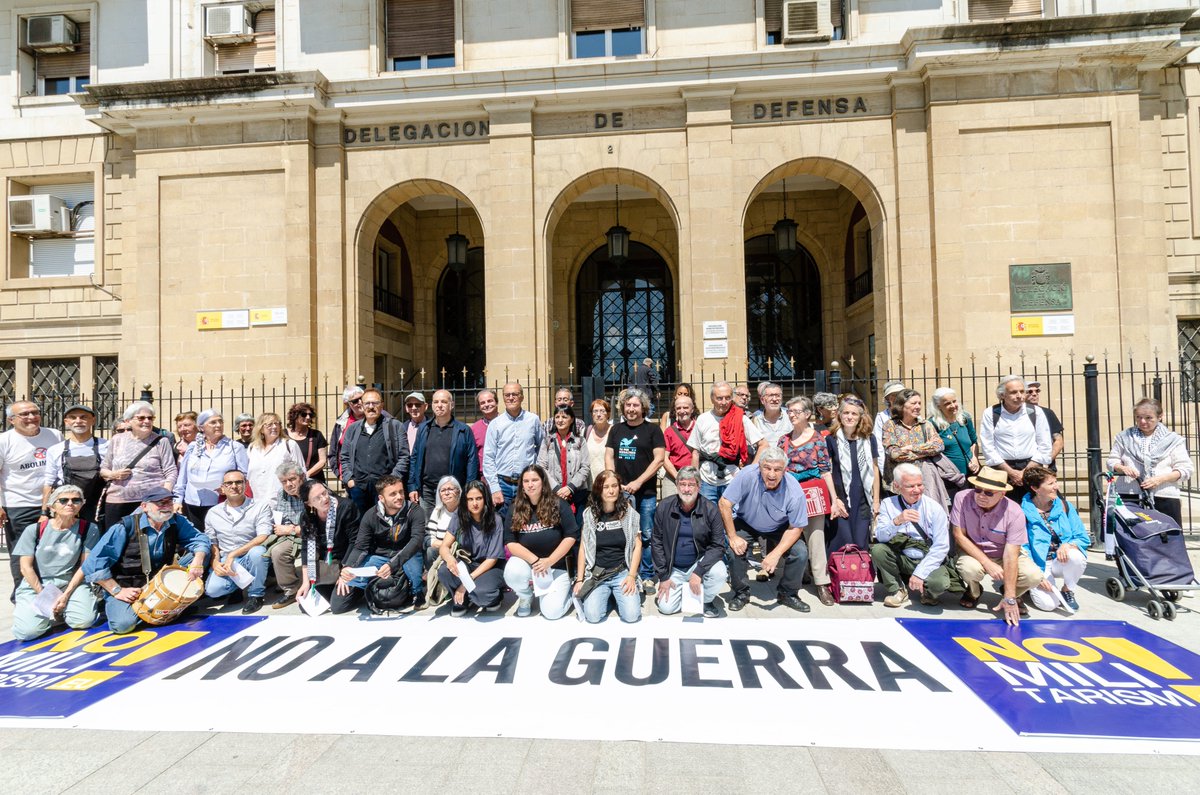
(990, 533)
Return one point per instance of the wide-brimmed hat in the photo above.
(892, 389)
(990, 479)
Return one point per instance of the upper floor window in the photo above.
(55, 57)
(52, 226)
(984, 10)
(242, 41)
(420, 34)
(608, 28)
(789, 21)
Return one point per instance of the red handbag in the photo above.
(852, 575)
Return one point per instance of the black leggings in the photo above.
(1172, 507)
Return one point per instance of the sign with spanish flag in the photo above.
(212, 320)
(1042, 325)
(1072, 678)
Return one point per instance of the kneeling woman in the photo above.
(539, 535)
(610, 553)
(1057, 542)
(480, 536)
(330, 524)
(57, 550)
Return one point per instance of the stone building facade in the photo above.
(276, 202)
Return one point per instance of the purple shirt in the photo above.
(991, 531)
(479, 428)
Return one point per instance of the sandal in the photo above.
(968, 601)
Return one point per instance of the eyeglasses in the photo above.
(69, 501)
(234, 483)
(30, 413)
(121, 430)
(508, 395)
(143, 419)
(373, 403)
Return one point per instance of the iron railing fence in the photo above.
(1119, 383)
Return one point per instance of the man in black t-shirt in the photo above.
(1033, 397)
(636, 451)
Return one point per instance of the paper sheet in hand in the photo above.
(363, 571)
(43, 603)
(464, 576)
(313, 603)
(242, 577)
(693, 604)
(578, 608)
(542, 582)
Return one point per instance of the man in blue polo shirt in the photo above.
(771, 508)
(512, 443)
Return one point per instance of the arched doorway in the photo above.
(625, 314)
(460, 321)
(783, 312)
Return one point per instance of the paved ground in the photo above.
(113, 762)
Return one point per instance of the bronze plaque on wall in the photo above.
(1040, 288)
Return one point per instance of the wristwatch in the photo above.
(116, 590)
(1008, 600)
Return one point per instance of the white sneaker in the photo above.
(524, 608)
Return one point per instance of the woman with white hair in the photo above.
(445, 506)
(136, 463)
(203, 468)
(957, 429)
(51, 554)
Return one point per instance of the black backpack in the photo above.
(389, 595)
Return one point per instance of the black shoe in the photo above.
(458, 610)
(418, 601)
(710, 611)
(794, 602)
(738, 602)
(494, 606)
(253, 605)
(284, 600)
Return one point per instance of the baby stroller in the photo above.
(1148, 548)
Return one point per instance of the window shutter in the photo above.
(986, 10)
(605, 14)
(264, 39)
(773, 16)
(235, 57)
(68, 64)
(419, 27)
(836, 17)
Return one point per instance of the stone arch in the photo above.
(599, 178)
(842, 173)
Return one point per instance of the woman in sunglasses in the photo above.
(313, 445)
(51, 553)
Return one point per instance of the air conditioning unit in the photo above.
(228, 24)
(806, 20)
(38, 215)
(51, 33)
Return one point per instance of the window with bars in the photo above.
(53, 385)
(61, 73)
(773, 20)
(1189, 358)
(257, 55)
(608, 28)
(106, 391)
(420, 34)
(8, 381)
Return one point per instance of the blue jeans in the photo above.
(121, 618)
(414, 569)
(645, 508)
(629, 606)
(509, 490)
(363, 495)
(712, 493)
(256, 562)
(710, 585)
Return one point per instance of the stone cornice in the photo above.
(1145, 40)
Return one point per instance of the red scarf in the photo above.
(733, 437)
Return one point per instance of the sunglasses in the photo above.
(121, 430)
(234, 483)
(986, 492)
(33, 413)
(355, 402)
(307, 414)
(69, 501)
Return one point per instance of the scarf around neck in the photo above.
(865, 463)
